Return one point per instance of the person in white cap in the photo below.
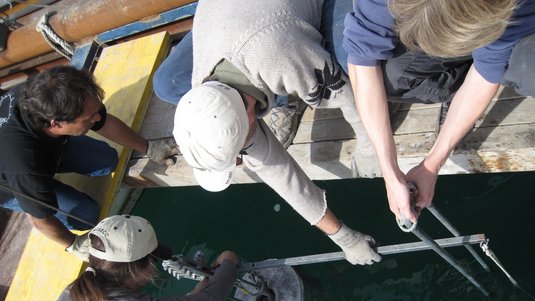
(123, 250)
(244, 53)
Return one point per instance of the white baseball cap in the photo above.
(211, 126)
(127, 238)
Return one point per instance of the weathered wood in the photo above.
(323, 130)
(45, 269)
(510, 111)
(502, 140)
(159, 118)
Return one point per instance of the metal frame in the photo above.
(85, 55)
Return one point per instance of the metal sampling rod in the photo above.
(384, 250)
(454, 231)
(407, 226)
(440, 251)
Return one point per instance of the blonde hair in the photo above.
(450, 28)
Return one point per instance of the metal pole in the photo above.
(384, 250)
(440, 251)
(454, 231)
(20, 194)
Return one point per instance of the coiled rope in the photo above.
(61, 46)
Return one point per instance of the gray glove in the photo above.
(162, 151)
(356, 246)
(80, 247)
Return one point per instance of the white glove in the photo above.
(80, 247)
(356, 246)
(162, 151)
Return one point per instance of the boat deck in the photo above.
(503, 140)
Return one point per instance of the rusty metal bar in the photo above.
(77, 20)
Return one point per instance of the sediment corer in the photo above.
(407, 226)
(182, 268)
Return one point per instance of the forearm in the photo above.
(272, 163)
(329, 223)
(118, 132)
(219, 285)
(371, 102)
(52, 228)
(470, 102)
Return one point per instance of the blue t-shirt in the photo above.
(369, 37)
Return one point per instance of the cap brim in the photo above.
(215, 180)
(162, 252)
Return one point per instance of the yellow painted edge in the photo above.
(30, 259)
(124, 157)
(33, 269)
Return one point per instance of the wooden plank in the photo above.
(419, 120)
(45, 269)
(324, 142)
(158, 122)
(323, 130)
(519, 136)
(495, 149)
(510, 111)
(124, 72)
(329, 124)
(480, 162)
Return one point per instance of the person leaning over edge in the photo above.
(245, 52)
(45, 135)
(437, 67)
(123, 252)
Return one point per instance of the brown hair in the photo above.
(450, 28)
(58, 93)
(109, 275)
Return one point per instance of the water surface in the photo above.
(257, 224)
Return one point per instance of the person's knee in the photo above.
(521, 72)
(173, 78)
(84, 215)
(109, 160)
(112, 159)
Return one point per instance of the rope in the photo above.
(63, 47)
(485, 247)
(16, 193)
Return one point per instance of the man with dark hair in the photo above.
(43, 133)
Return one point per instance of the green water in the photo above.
(257, 224)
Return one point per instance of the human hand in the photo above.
(357, 247)
(162, 151)
(425, 179)
(80, 247)
(398, 195)
(227, 255)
